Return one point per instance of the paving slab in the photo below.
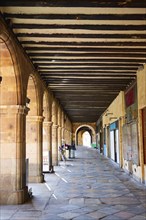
(88, 187)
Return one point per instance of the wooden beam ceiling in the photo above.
(85, 51)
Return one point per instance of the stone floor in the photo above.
(88, 187)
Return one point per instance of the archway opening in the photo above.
(86, 139)
(12, 129)
(8, 126)
(8, 92)
(45, 134)
(31, 131)
(85, 135)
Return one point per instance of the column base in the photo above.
(36, 179)
(51, 169)
(14, 197)
(55, 163)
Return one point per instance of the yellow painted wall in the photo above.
(117, 108)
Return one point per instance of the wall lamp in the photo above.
(123, 117)
(108, 113)
(112, 118)
(141, 67)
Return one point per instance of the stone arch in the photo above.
(34, 121)
(10, 91)
(82, 129)
(12, 130)
(8, 49)
(34, 96)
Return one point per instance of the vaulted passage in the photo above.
(73, 73)
(88, 187)
(81, 49)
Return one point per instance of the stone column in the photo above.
(13, 189)
(63, 134)
(34, 150)
(71, 139)
(48, 128)
(59, 140)
(59, 136)
(54, 145)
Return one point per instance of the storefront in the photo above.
(114, 142)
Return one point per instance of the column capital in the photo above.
(14, 109)
(55, 126)
(49, 123)
(37, 118)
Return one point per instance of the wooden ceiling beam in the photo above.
(97, 60)
(100, 73)
(84, 71)
(86, 84)
(100, 86)
(85, 49)
(83, 64)
(101, 92)
(59, 43)
(50, 68)
(85, 54)
(76, 36)
(75, 3)
(78, 26)
(77, 16)
(85, 99)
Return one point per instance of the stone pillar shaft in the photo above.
(63, 134)
(48, 130)
(13, 189)
(54, 145)
(59, 141)
(59, 136)
(34, 148)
